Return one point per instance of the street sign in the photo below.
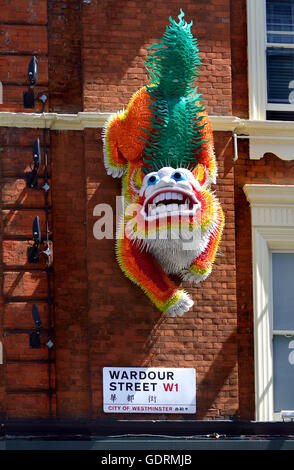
(149, 390)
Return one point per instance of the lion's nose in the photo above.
(167, 180)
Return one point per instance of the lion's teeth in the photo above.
(160, 208)
(172, 207)
(169, 196)
(160, 203)
(151, 209)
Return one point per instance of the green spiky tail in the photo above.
(173, 65)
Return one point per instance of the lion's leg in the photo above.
(144, 270)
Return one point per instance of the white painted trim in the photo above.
(54, 121)
(224, 123)
(281, 132)
(283, 332)
(270, 137)
(266, 128)
(280, 107)
(269, 195)
(256, 34)
(272, 219)
(83, 120)
(281, 33)
(280, 45)
(282, 148)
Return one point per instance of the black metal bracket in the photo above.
(35, 336)
(32, 179)
(33, 251)
(32, 176)
(35, 339)
(33, 254)
(28, 96)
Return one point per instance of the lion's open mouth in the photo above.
(166, 203)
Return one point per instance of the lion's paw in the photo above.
(181, 306)
(193, 278)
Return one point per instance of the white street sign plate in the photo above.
(149, 390)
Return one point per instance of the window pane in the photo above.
(280, 115)
(279, 16)
(280, 38)
(283, 291)
(280, 75)
(283, 373)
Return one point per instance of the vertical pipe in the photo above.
(235, 137)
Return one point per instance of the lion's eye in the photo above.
(153, 179)
(178, 176)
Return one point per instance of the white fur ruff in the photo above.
(175, 255)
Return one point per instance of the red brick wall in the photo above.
(96, 50)
(115, 37)
(239, 59)
(70, 274)
(25, 372)
(101, 318)
(23, 33)
(93, 53)
(65, 67)
(126, 329)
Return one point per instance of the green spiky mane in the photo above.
(173, 65)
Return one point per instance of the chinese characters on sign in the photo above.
(149, 390)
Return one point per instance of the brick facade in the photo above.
(91, 58)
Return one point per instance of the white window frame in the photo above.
(288, 333)
(257, 78)
(272, 220)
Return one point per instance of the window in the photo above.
(271, 59)
(283, 331)
(272, 222)
(280, 59)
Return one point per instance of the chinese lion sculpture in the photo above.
(161, 146)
